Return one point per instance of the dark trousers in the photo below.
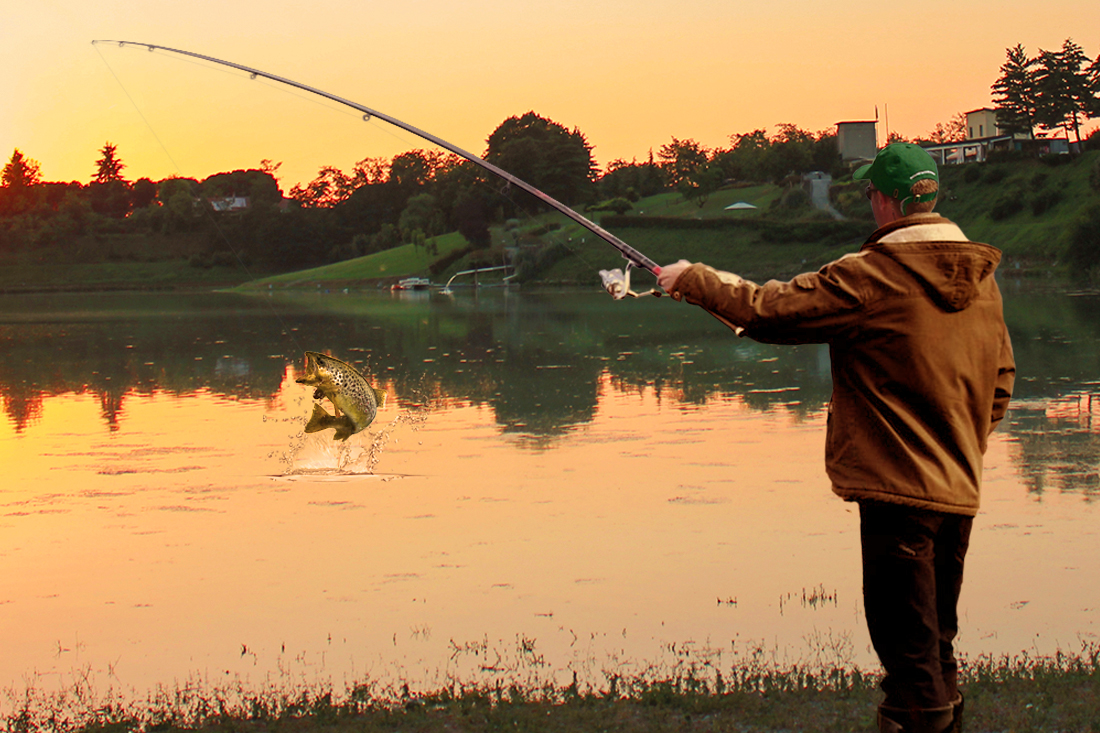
(912, 575)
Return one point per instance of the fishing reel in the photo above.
(617, 283)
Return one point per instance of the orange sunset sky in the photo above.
(630, 76)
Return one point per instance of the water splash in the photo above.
(357, 456)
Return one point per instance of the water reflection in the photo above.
(585, 475)
(535, 359)
(1058, 444)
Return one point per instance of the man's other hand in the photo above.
(671, 273)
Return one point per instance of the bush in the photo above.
(972, 173)
(1007, 156)
(542, 229)
(532, 261)
(446, 261)
(1056, 159)
(1084, 246)
(619, 205)
(223, 258)
(827, 232)
(1007, 205)
(794, 198)
(995, 174)
(1045, 199)
(1094, 176)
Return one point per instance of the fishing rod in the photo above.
(616, 282)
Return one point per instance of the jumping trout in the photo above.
(356, 403)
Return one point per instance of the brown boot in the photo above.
(917, 720)
(957, 720)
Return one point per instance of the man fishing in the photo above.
(922, 373)
(922, 370)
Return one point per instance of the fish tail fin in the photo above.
(380, 397)
(319, 420)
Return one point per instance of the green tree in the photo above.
(1084, 247)
(331, 187)
(747, 157)
(142, 193)
(421, 214)
(681, 159)
(270, 167)
(826, 154)
(387, 237)
(20, 172)
(259, 186)
(179, 199)
(632, 180)
(470, 216)
(791, 151)
(17, 184)
(1093, 74)
(1064, 89)
(701, 183)
(545, 154)
(1015, 90)
(108, 167)
(953, 131)
(415, 169)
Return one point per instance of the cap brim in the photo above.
(862, 172)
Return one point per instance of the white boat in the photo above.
(411, 283)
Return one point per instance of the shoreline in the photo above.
(1018, 693)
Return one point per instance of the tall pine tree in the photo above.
(1015, 90)
(109, 167)
(1064, 91)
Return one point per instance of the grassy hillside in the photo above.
(555, 251)
(1025, 208)
(391, 264)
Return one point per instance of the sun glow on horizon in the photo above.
(630, 81)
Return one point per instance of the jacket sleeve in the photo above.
(1006, 378)
(811, 308)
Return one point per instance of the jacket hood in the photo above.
(938, 254)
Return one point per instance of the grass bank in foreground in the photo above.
(1019, 694)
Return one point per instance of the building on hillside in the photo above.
(983, 136)
(229, 203)
(982, 123)
(857, 140)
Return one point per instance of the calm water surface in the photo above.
(560, 484)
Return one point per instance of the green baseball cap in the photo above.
(896, 168)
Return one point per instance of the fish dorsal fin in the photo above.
(380, 397)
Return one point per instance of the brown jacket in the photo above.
(922, 364)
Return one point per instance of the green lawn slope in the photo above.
(381, 267)
(1027, 208)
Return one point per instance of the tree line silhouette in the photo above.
(381, 203)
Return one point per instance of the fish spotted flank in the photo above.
(355, 402)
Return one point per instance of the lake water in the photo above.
(560, 485)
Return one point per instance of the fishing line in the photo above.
(633, 256)
(616, 282)
(209, 213)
